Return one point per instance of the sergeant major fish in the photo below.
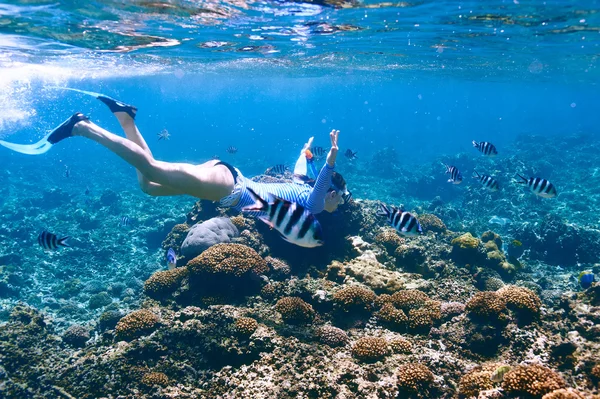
(455, 175)
(295, 224)
(318, 152)
(540, 187)
(351, 155)
(487, 181)
(50, 241)
(404, 222)
(486, 148)
(277, 170)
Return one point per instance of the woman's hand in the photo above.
(333, 135)
(307, 146)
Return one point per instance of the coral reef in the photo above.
(76, 336)
(370, 349)
(246, 326)
(532, 380)
(294, 310)
(135, 324)
(163, 283)
(332, 336)
(206, 234)
(415, 379)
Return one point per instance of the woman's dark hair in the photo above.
(337, 180)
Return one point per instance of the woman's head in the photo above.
(337, 193)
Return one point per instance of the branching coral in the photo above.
(229, 259)
(136, 324)
(332, 336)
(354, 298)
(370, 349)
(414, 378)
(522, 300)
(486, 305)
(294, 310)
(245, 326)
(164, 282)
(401, 345)
(533, 380)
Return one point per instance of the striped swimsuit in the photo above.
(311, 198)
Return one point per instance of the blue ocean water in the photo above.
(409, 85)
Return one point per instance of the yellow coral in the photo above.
(466, 241)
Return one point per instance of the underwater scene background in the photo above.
(496, 299)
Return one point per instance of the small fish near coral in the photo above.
(51, 242)
(295, 224)
(404, 222)
(164, 135)
(171, 258)
(318, 152)
(455, 175)
(498, 374)
(586, 278)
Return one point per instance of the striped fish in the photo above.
(125, 221)
(455, 175)
(351, 155)
(318, 152)
(277, 170)
(404, 222)
(295, 224)
(487, 181)
(540, 187)
(50, 241)
(486, 148)
(232, 150)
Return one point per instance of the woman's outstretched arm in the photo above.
(316, 201)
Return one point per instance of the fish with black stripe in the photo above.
(318, 152)
(295, 223)
(125, 221)
(351, 155)
(455, 175)
(486, 148)
(51, 242)
(540, 187)
(405, 223)
(277, 170)
(232, 150)
(487, 181)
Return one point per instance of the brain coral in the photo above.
(354, 298)
(533, 380)
(294, 310)
(164, 282)
(486, 305)
(370, 349)
(76, 336)
(414, 378)
(245, 326)
(332, 336)
(136, 324)
(520, 299)
(228, 259)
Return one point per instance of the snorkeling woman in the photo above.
(213, 180)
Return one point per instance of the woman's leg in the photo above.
(133, 134)
(207, 181)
